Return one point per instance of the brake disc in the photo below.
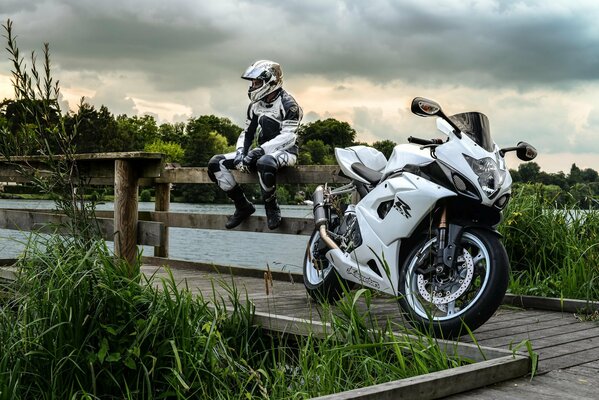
(462, 280)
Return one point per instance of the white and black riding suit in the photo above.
(275, 124)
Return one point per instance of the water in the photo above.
(242, 249)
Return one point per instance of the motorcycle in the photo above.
(421, 226)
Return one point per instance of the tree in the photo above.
(140, 131)
(96, 130)
(385, 146)
(575, 175)
(330, 131)
(173, 151)
(317, 152)
(211, 123)
(25, 118)
(201, 146)
(172, 132)
(529, 172)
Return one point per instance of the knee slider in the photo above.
(267, 168)
(214, 166)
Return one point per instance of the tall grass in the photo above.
(553, 250)
(75, 325)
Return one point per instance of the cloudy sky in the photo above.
(531, 66)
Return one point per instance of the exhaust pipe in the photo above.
(320, 218)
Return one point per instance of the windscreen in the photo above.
(476, 126)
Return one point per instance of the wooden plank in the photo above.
(97, 167)
(289, 225)
(162, 203)
(442, 383)
(531, 325)
(149, 233)
(297, 174)
(125, 210)
(592, 364)
(541, 387)
(551, 303)
(584, 371)
(195, 267)
(534, 336)
(563, 386)
(585, 337)
(500, 319)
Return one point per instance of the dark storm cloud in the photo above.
(185, 43)
(473, 43)
(540, 57)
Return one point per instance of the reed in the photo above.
(553, 249)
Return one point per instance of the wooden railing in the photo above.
(128, 227)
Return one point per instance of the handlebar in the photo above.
(424, 142)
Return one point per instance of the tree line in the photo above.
(194, 142)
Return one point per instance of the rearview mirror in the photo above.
(428, 108)
(525, 151)
(425, 107)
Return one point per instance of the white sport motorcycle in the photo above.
(423, 226)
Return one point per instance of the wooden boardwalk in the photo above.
(568, 347)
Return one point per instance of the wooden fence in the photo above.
(128, 227)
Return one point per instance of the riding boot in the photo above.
(243, 207)
(273, 212)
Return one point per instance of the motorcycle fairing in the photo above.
(368, 156)
(413, 199)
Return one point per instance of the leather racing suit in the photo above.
(275, 124)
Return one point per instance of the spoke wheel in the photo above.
(441, 298)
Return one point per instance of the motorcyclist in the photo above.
(273, 116)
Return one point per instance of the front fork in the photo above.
(448, 239)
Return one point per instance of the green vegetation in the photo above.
(553, 245)
(80, 323)
(75, 325)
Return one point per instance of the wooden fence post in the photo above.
(162, 203)
(126, 187)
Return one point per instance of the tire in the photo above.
(321, 280)
(474, 291)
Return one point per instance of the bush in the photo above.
(145, 195)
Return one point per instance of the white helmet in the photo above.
(265, 76)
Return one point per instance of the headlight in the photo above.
(490, 177)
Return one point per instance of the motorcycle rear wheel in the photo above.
(442, 303)
(321, 280)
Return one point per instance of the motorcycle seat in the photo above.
(371, 175)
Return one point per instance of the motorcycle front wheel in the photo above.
(321, 280)
(442, 300)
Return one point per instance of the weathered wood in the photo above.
(535, 335)
(125, 210)
(149, 233)
(524, 328)
(443, 383)
(551, 303)
(194, 268)
(296, 174)
(96, 168)
(289, 225)
(162, 203)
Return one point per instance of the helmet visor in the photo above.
(256, 84)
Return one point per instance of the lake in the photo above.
(242, 249)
